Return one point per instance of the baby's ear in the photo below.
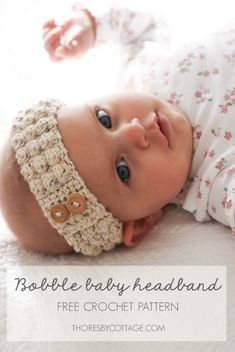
(135, 230)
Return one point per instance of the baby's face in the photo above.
(119, 150)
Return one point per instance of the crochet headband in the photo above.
(60, 191)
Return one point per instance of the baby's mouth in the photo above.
(158, 122)
(164, 127)
(159, 125)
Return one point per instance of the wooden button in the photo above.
(76, 203)
(59, 213)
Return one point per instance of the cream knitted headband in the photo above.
(61, 193)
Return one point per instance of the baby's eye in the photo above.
(104, 118)
(123, 171)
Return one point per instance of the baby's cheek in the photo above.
(39, 234)
(42, 240)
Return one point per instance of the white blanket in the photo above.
(176, 240)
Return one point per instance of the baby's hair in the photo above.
(21, 211)
(12, 185)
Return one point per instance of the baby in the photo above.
(100, 173)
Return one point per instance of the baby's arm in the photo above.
(221, 204)
(82, 31)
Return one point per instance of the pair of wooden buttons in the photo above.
(75, 204)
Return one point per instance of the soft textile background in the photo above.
(26, 75)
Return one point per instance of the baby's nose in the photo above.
(134, 133)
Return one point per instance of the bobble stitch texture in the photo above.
(52, 177)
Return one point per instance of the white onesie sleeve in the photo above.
(129, 28)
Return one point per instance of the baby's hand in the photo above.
(72, 39)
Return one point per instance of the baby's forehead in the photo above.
(113, 98)
(113, 102)
(101, 100)
(126, 98)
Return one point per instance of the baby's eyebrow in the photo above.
(91, 110)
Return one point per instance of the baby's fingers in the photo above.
(52, 39)
(63, 52)
(47, 26)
